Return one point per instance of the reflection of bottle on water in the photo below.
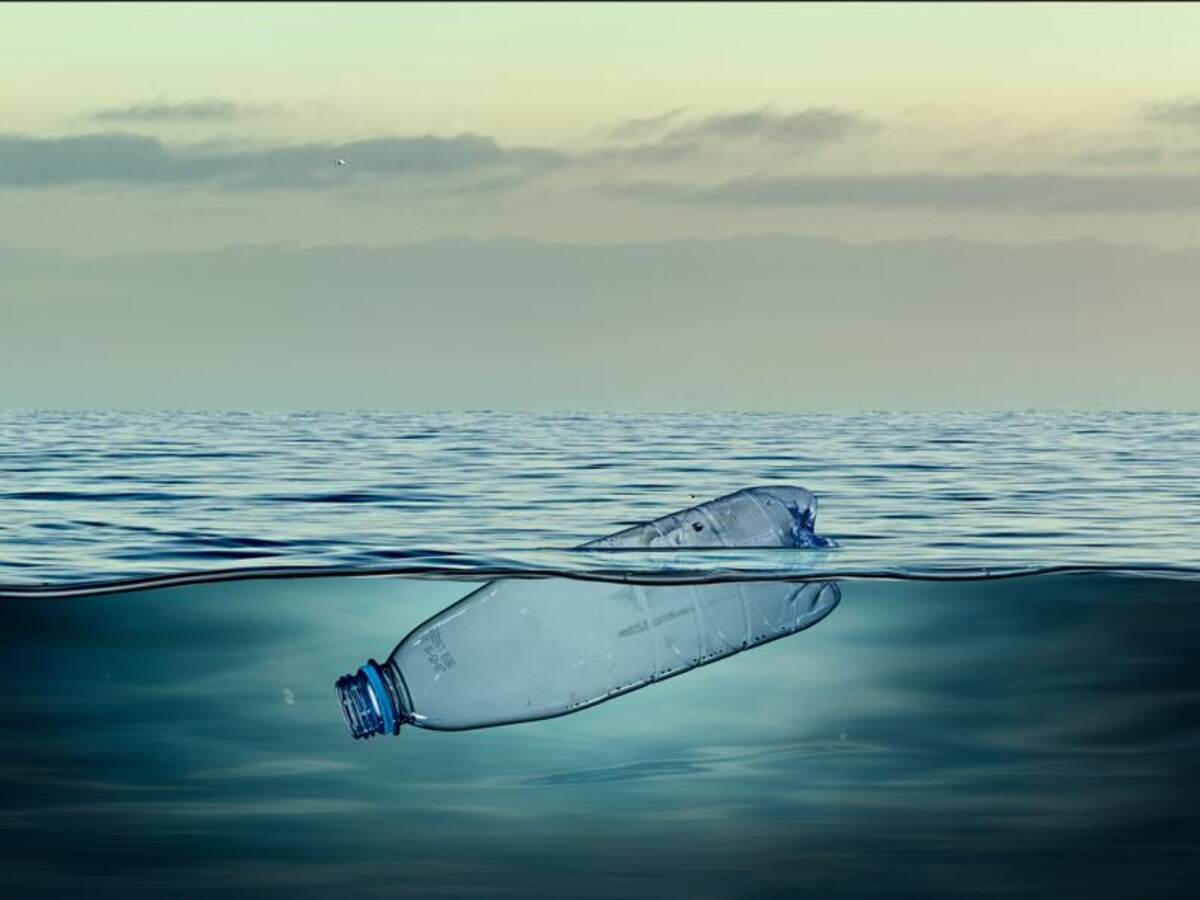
(519, 650)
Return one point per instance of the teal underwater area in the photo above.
(1032, 736)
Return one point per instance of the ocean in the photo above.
(1005, 702)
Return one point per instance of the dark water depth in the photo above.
(1028, 737)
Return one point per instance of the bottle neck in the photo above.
(371, 701)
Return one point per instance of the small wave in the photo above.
(98, 496)
(444, 565)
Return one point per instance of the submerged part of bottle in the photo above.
(519, 650)
(758, 517)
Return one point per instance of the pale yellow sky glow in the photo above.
(550, 71)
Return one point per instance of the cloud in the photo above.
(632, 129)
(41, 162)
(139, 159)
(655, 152)
(1183, 111)
(1123, 156)
(209, 110)
(464, 162)
(808, 127)
(801, 130)
(1043, 192)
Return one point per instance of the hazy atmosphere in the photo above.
(661, 207)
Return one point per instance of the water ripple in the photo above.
(93, 496)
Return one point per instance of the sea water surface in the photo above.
(944, 732)
(105, 496)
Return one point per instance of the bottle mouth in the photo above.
(366, 705)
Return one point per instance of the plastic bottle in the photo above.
(517, 650)
(757, 517)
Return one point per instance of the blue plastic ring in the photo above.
(381, 696)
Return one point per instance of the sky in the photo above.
(599, 206)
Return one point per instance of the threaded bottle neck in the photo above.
(367, 705)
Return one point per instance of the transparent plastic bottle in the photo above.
(517, 650)
(757, 517)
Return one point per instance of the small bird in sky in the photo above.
(340, 161)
